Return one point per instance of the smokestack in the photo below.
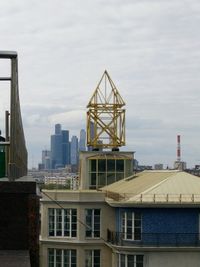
(178, 148)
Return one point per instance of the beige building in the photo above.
(74, 228)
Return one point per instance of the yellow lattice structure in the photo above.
(105, 116)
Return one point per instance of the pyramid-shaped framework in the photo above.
(105, 116)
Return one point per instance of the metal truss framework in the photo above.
(16, 153)
(105, 116)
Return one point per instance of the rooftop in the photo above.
(13, 258)
(153, 187)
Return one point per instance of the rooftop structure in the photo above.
(15, 154)
(178, 164)
(106, 116)
(100, 168)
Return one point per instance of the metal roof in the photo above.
(156, 186)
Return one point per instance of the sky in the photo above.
(150, 48)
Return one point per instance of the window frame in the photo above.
(125, 225)
(92, 224)
(66, 218)
(92, 255)
(62, 251)
(135, 261)
(111, 174)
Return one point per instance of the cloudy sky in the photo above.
(151, 49)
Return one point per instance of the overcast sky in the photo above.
(151, 49)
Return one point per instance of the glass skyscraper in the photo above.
(65, 148)
(82, 140)
(74, 150)
(60, 148)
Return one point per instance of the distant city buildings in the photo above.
(180, 165)
(62, 152)
(158, 166)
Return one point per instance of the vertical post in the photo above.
(7, 148)
(12, 169)
(178, 148)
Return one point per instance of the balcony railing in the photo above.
(155, 239)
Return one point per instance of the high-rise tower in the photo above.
(74, 150)
(56, 147)
(65, 148)
(82, 140)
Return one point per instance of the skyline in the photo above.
(150, 50)
(60, 150)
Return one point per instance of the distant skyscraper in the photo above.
(74, 150)
(58, 129)
(91, 134)
(46, 159)
(82, 140)
(56, 148)
(65, 148)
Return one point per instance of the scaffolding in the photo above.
(105, 116)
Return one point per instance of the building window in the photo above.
(131, 225)
(92, 220)
(63, 222)
(131, 260)
(106, 171)
(92, 258)
(61, 257)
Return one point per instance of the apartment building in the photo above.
(147, 220)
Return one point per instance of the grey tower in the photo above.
(74, 150)
(65, 148)
(56, 148)
(46, 159)
(82, 140)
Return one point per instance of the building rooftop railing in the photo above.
(154, 239)
(154, 198)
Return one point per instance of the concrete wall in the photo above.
(172, 259)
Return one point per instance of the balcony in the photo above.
(155, 239)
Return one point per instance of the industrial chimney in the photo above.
(178, 164)
(178, 148)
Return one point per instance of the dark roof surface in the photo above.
(14, 258)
